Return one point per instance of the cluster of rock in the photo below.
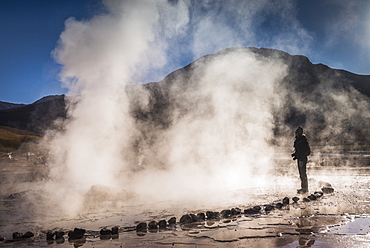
(154, 225)
(17, 236)
(191, 218)
(228, 213)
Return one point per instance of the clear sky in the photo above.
(332, 32)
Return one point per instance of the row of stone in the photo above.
(79, 233)
(226, 213)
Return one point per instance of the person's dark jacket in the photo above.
(302, 148)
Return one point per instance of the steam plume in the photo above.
(214, 135)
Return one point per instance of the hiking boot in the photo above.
(302, 191)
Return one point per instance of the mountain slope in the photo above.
(331, 103)
(7, 105)
(35, 117)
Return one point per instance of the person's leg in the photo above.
(303, 175)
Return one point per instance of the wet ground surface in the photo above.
(338, 219)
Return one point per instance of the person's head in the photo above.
(299, 132)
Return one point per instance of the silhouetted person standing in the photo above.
(302, 150)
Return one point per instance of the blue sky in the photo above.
(335, 33)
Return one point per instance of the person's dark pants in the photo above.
(303, 174)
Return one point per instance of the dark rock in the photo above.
(186, 219)
(235, 211)
(194, 218)
(141, 227)
(253, 210)
(295, 199)
(17, 235)
(105, 232)
(50, 235)
(79, 233)
(172, 221)
(28, 235)
(59, 234)
(71, 234)
(312, 197)
(250, 211)
(162, 224)
(257, 208)
(318, 194)
(279, 205)
(201, 216)
(327, 190)
(269, 208)
(225, 213)
(306, 199)
(2, 239)
(286, 201)
(114, 230)
(153, 225)
(210, 215)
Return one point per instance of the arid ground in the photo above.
(338, 219)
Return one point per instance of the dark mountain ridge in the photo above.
(310, 100)
(36, 117)
(8, 105)
(172, 98)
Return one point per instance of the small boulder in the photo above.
(2, 239)
(105, 232)
(318, 194)
(114, 230)
(59, 234)
(235, 211)
(153, 225)
(312, 197)
(295, 199)
(79, 233)
(162, 224)
(286, 201)
(194, 218)
(172, 221)
(306, 199)
(27, 235)
(225, 213)
(186, 219)
(71, 234)
(17, 235)
(141, 227)
(201, 216)
(50, 235)
(279, 205)
(327, 190)
(210, 215)
(269, 208)
(253, 210)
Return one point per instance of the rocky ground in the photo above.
(328, 219)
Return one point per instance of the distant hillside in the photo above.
(8, 105)
(312, 99)
(35, 117)
(11, 138)
(328, 102)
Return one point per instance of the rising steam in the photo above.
(213, 137)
